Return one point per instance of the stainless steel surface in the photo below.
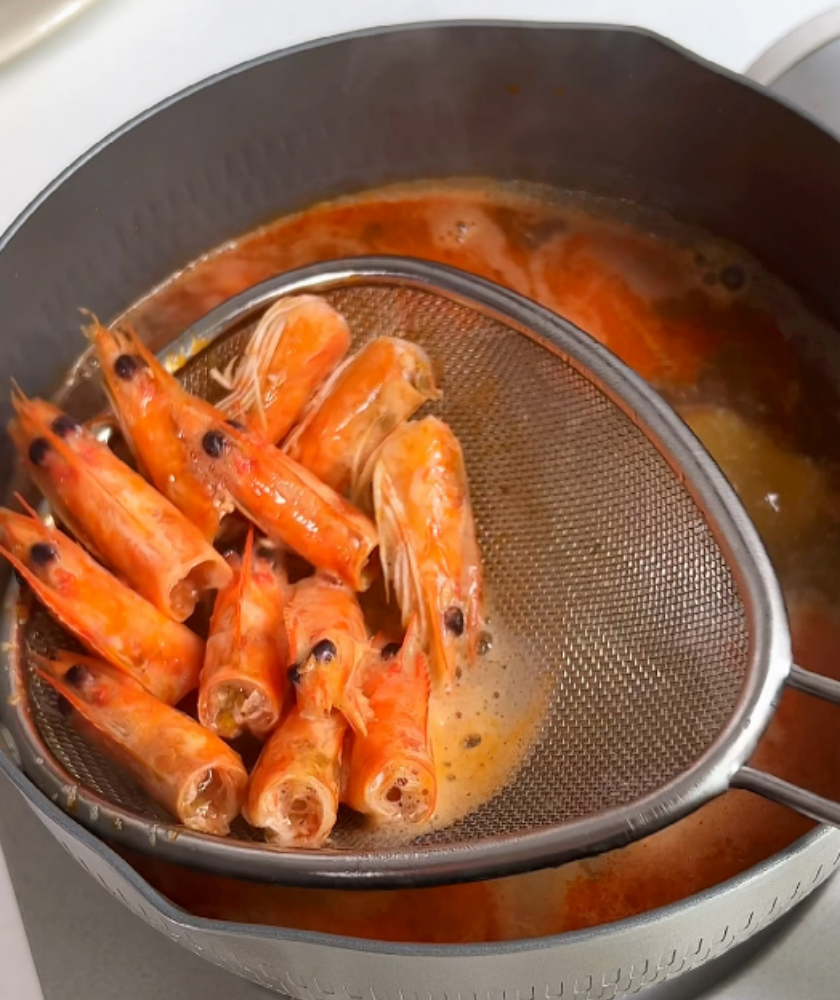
(796, 47)
(595, 504)
(359, 119)
(603, 964)
(804, 68)
(87, 944)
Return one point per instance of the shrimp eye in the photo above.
(324, 651)
(237, 425)
(264, 552)
(453, 621)
(64, 425)
(42, 553)
(733, 277)
(293, 673)
(126, 366)
(38, 451)
(77, 675)
(213, 443)
(390, 651)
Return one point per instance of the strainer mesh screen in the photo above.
(597, 560)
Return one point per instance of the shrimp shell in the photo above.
(327, 643)
(146, 400)
(295, 346)
(390, 772)
(104, 615)
(294, 790)
(284, 500)
(370, 395)
(184, 767)
(429, 549)
(114, 512)
(243, 682)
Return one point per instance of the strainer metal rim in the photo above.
(710, 775)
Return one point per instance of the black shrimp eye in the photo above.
(64, 706)
(733, 277)
(213, 443)
(237, 425)
(453, 621)
(324, 651)
(264, 552)
(77, 675)
(42, 553)
(125, 366)
(390, 651)
(64, 425)
(293, 673)
(38, 451)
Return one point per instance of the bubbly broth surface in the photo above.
(752, 372)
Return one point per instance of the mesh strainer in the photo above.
(616, 555)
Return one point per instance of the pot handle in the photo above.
(770, 787)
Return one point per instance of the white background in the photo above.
(122, 56)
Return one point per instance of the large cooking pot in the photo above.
(610, 111)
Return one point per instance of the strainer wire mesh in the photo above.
(599, 561)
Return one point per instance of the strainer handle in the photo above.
(770, 787)
(820, 687)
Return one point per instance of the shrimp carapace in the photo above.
(390, 772)
(243, 684)
(114, 512)
(294, 790)
(327, 645)
(295, 346)
(284, 500)
(429, 549)
(370, 395)
(182, 765)
(101, 612)
(146, 400)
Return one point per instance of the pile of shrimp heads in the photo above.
(314, 454)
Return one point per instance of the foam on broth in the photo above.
(482, 728)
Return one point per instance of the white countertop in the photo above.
(118, 58)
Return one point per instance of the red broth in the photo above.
(751, 370)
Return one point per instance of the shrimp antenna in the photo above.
(27, 506)
(18, 395)
(89, 329)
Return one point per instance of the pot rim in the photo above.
(462, 23)
(49, 811)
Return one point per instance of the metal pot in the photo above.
(614, 112)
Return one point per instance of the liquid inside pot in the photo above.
(752, 371)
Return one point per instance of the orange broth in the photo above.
(739, 355)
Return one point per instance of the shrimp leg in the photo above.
(327, 640)
(429, 549)
(293, 795)
(104, 615)
(146, 398)
(184, 767)
(370, 395)
(243, 683)
(114, 512)
(390, 773)
(295, 346)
